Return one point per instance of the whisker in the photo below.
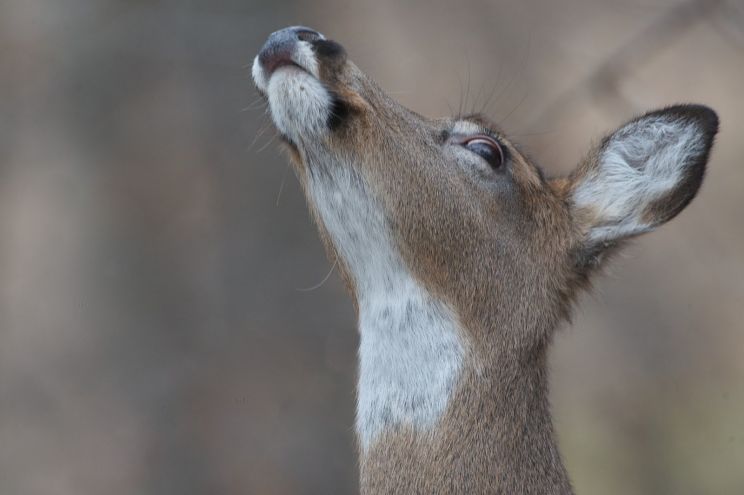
(269, 142)
(265, 126)
(496, 85)
(281, 185)
(516, 75)
(325, 279)
(261, 131)
(257, 103)
(538, 133)
(524, 97)
(479, 95)
(255, 139)
(459, 106)
(467, 91)
(449, 107)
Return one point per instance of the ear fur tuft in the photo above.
(643, 174)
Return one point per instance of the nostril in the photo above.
(281, 47)
(304, 34)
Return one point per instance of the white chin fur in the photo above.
(300, 104)
(258, 75)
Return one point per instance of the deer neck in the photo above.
(436, 408)
(437, 414)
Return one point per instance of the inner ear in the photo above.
(643, 174)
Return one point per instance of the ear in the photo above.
(642, 175)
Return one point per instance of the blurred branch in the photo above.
(169, 34)
(602, 84)
(729, 20)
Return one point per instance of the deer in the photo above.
(462, 258)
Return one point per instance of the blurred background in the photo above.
(157, 334)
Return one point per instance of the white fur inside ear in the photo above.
(640, 163)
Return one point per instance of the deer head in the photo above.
(462, 258)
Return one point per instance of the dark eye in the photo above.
(487, 148)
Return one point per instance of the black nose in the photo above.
(278, 49)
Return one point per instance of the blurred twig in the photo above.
(729, 20)
(602, 84)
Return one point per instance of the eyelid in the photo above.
(463, 139)
(488, 141)
(482, 137)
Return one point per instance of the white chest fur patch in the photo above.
(411, 351)
(410, 358)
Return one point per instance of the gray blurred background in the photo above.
(155, 337)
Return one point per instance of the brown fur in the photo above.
(509, 260)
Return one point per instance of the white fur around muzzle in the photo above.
(300, 104)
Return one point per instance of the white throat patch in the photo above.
(411, 351)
